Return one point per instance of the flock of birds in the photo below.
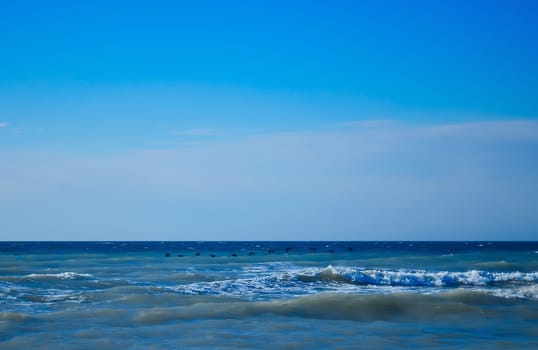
(251, 253)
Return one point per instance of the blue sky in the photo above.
(351, 120)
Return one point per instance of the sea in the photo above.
(268, 295)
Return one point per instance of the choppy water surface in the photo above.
(144, 295)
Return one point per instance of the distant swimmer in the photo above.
(270, 251)
(197, 254)
(167, 254)
(234, 255)
(332, 251)
(312, 249)
(212, 255)
(180, 255)
(250, 253)
(287, 249)
(349, 249)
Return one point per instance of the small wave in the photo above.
(61, 275)
(54, 296)
(338, 306)
(501, 265)
(14, 316)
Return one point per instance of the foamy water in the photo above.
(268, 294)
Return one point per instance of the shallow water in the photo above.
(113, 295)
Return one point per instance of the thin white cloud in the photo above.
(4, 125)
(518, 130)
(391, 180)
(197, 132)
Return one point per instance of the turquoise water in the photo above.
(153, 295)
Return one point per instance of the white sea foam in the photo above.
(65, 296)
(524, 292)
(61, 275)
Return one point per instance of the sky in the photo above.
(269, 120)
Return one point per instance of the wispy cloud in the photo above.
(394, 180)
(197, 132)
(4, 125)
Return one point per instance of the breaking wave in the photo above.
(300, 282)
(415, 277)
(282, 282)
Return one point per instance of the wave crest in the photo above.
(418, 278)
(271, 285)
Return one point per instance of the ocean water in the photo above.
(289, 295)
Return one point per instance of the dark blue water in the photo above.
(268, 294)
